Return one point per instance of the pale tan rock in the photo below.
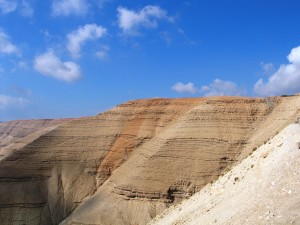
(125, 166)
(252, 200)
(13, 131)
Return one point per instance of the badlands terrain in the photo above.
(216, 160)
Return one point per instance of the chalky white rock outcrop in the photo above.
(263, 189)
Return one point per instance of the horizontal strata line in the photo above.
(153, 196)
(198, 159)
(22, 179)
(23, 205)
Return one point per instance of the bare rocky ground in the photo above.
(263, 189)
(129, 164)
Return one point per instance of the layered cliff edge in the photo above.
(127, 165)
(262, 189)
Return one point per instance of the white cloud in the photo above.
(69, 7)
(22, 65)
(167, 37)
(23, 6)
(220, 88)
(184, 88)
(46, 35)
(102, 54)
(50, 65)
(285, 80)
(6, 47)
(267, 67)
(8, 6)
(7, 101)
(78, 37)
(26, 9)
(130, 21)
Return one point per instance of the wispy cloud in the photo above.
(102, 54)
(26, 9)
(184, 88)
(7, 101)
(6, 46)
(22, 6)
(8, 6)
(22, 65)
(285, 80)
(101, 3)
(131, 21)
(49, 64)
(78, 37)
(17, 90)
(167, 37)
(70, 7)
(267, 67)
(221, 88)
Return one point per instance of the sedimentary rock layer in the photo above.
(262, 189)
(13, 131)
(128, 164)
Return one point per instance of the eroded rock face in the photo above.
(14, 131)
(262, 189)
(128, 164)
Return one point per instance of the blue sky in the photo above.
(71, 58)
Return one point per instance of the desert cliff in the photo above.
(127, 165)
(262, 189)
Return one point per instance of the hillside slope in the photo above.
(183, 158)
(127, 165)
(263, 189)
(14, 131)
(50, 172)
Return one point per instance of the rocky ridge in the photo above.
(127, 165)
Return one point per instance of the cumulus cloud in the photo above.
(285, 80)
(7, 6)
(69, 7)
(220, 88)
(49, 64)
(184, 88)
(7, 101)
(78, 37)
(130, 21)
(6, 46)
